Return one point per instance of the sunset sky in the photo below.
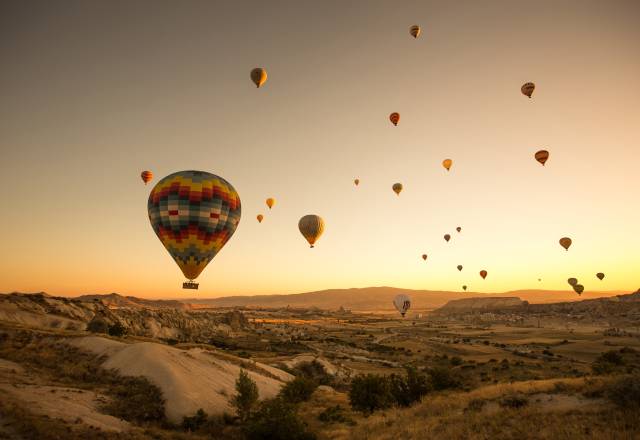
(94, 92)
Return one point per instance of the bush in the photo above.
(117, 330)
(136, 399)
(194, 423)
(247, 395)
(298, 390)
(276, 420)
(369, 393)
(625, 392)
(98, 325)
(313, 370)
(335, 414)
(608, 362)
(441, 378)
(456, 360)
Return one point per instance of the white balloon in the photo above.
(402, 302)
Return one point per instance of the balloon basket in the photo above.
(190, 285)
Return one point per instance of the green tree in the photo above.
(246, 395)
(369, 393)
(298, 390)
(276, 420)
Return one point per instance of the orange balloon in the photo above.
(270, 202)
(542, 156)
(394, 118)
(483, 274)
(146, 176)
(565, 242)
(260, 217)
(447, 164)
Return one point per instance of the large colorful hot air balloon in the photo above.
(542, 156)
(572, 281)
(447, 164)
(270, 202)
(397, 188)
(260, 217)
(424, 257)
(146, 176)
(447, 237)
(394, 118)
(600, 276)
(193, 213)
(579, 288)
(483, 274)
(414, 31)
(459, 229)
(259, 76)
(356, 182)
(311, 227)
(460, 267)
(402, 303)
(565, 242)
(527, 89)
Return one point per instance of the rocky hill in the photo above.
(481, 304)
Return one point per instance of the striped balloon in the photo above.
(527, 89)
(194, 214)
(397, 188)
(402, 303)
(542, 156)
(311, 227)
(146, 176)
(259, 76)
(394, 118)
(414, 31)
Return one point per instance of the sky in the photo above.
(94, 92)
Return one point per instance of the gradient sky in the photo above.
(93, 92)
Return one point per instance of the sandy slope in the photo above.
(189, 379)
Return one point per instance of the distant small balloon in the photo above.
(259, 76)
(565, 242)
(600, 276)
(464, 287)
(394, 118)
(424, 257)
(397, 188)
(356, 182)
(483, 274)
(572, 281)
(414, 31)
(579, 288)
(260, 217)
(460, 267)
(146, 176)
(447, 237)
(447, 164)
(542, 156)
(270, 202)
(459, 229)
(527, 89)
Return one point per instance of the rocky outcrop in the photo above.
(480, 304)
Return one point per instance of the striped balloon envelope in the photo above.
(194, 214)
(542, 156)
(527, 89)
(394, 118)
(146, 176)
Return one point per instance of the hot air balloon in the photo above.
(414, 31)
(579, 288)
(259, 76)
(464, 288)
(356, 182)
(447, 237)
(194, 214)
(402, 303)
(459, 229)
(600, 276)
(311, 227)
(460, 267)
(270, 202)
(146, 176)
(424, 257)
(483, 274)
(447, 164)
(527, 89)
(260, 217)
(565, 242)
(539, 279)
(572, 281)
(542, 156)
(397, 188)
(394, 118)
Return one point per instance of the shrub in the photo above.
(98, 325)
(456, 360)
(514, 401)
(612, 357)
(194, 423)
(608, 362)
(313, 370)
(441, 378)
(136, 399)
(476, 405)
(117, 330)
(247, 395)
(369, 393)
(298, 390)
(625, 392)
(276, 420)
(335, 414)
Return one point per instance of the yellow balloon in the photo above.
(311, 227)
(259, 76)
